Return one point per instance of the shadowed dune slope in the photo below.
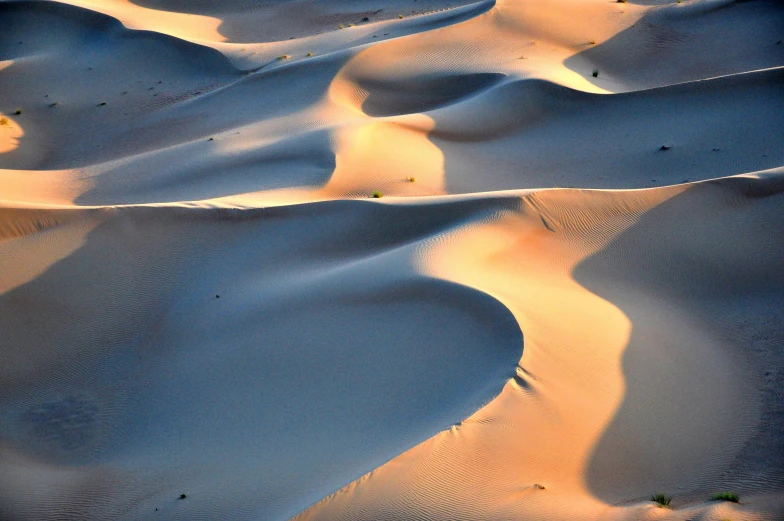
(176, 351)
(676, 43)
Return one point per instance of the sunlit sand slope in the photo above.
(642, 370)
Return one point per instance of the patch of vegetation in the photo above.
(662, 499)
(400, 16)
(283, 57)
(411, 179)
(310, 54)
(621, 1)
(725, 496)
(4, 122)
(18, 112)
(341, 26)
(102, 104)
(592, 42)
(376, 195)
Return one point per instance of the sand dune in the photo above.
(568, 299)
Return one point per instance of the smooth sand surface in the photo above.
(570, 296)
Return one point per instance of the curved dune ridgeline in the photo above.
(400, 260)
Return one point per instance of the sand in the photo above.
(566, 297)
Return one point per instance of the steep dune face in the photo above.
(204, 315)
(638, 373)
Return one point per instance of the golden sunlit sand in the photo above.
(391, 260)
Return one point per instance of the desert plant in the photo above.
(341, 26)
(400, 16)
(596, 73)
(102, 104)
(377, 195)
(662, 499)
(592, 42)
(412, 180)
(310, 54)
(4, 122)
(725, 496)
(18, 112)
(283, 57)
(621, 1)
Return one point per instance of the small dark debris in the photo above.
(53, 104)
(89, 68)
(716, 149)
(366, 19)
(211, 139)
(125, 92)
(777, 43)
(160, 82)
(46, 95)
(665, 147)
(183, 496)
(595, 73)
(18, 112)
(217, 296)
(685, 181)
(102, 104)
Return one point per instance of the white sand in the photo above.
(576, 303)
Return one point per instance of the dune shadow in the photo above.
(705, 301)
(258, 359)
(535, 134)
(677, 43)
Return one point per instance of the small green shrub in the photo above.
(283, 57)
(412, 180)
(377, 195)
(310, 54)
(400, 16)
(662, 499)
(725, 496)
(18, 112)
